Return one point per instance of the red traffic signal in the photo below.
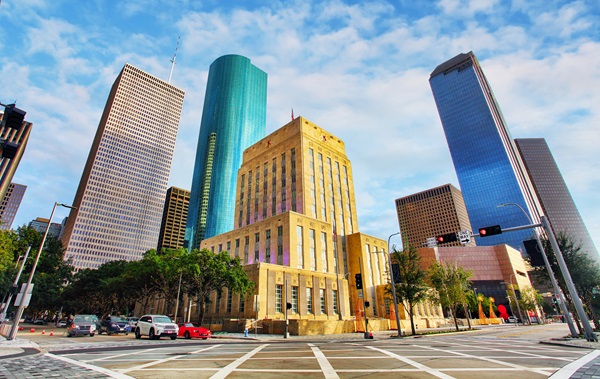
(490, 231)
(446, 238)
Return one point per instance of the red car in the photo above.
(189, 330)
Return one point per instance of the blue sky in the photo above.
(359, 69)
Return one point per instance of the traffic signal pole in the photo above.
(589, 333)
(366, 335)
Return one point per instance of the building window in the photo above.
(324, 261)
(334, 301)
(293, 174)
(268, 246)
(218, 303)
(246, 247)
(294, 299)
(279, 298)
(274, 188)
(322, 300)
(229, 300)
(299, 246)
(242, 304)
(237, 247)
(256, 245)
(309, 301)
(283, 184)
(313, 250)
(249, 198)
(280, 245)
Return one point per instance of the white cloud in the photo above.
(358, 70)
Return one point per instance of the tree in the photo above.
(206, 272)
(412, 287)
(450, 283)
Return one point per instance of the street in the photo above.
(487, 353)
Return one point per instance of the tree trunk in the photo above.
(412, 321)
(467, 316)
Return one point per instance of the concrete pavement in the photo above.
(23, 358)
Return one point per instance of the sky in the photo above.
(358, 69)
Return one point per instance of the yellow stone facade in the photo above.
(296, 233)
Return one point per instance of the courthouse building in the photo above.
(296, 233)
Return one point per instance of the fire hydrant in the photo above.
(246, 332)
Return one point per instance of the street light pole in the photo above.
(394, 286)
(15, 286)
(22, 305)
(557, 291)
(178, 291)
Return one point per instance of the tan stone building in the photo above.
(431, 213)
(494, 267)
(172, 228)
(296, 232)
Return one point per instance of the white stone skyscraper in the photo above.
(120, 198)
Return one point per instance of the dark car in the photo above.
(82, 325)
(114, 325)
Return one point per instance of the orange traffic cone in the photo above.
(51, 333)
(32, 330)
(43, 331)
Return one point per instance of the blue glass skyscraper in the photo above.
(488, 166)
(233, 119)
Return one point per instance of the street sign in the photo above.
(464, 236)
(431, 242)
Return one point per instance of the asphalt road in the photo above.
(493, 352)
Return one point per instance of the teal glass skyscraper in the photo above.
(233, 119)
(488, 166)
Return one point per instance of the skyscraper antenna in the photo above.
(172, 60)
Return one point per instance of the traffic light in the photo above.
(555, 301)
(358, 281)
(13, 116)
(490, 231)
(446, 238)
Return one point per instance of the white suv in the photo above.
(156, 326)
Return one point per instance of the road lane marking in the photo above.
(117, 356)
(418, 365)
(101, 370)
(326, 367)
(134, 368)
(233, 365)
(491, 360)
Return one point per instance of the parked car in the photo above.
(513, 319)
(40, 321)
(132, 322)
(62, 323)
(82, 325)
(114, 325)
(189, 330)
(156, 326)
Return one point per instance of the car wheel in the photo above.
(92, 334)
(69, 335)
(151, 335)
(137, 334)
(187, 335)
(173, 337)
(204, 338)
